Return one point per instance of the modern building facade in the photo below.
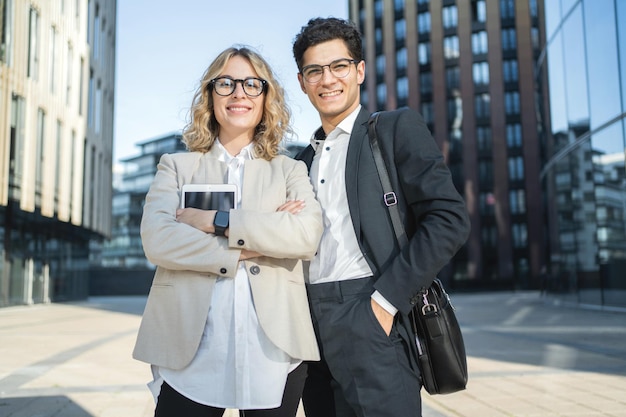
(469, 68)
(57, 76)
(583, 72)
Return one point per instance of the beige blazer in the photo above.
(188, 260)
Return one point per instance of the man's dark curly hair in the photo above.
(319, 30)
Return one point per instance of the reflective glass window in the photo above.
(423, 22)
(602, 61)
(451, 47)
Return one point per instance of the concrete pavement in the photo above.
(526, 357)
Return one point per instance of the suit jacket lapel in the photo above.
(359, 134)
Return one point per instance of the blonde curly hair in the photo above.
(202, 129)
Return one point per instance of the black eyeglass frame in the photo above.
(351, 61)
(264, 85)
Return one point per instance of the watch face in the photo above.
(221, 219)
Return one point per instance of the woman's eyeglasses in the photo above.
(225, 86)
(340, 68)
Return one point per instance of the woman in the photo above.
(227, 321)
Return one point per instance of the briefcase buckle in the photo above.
(390, 199)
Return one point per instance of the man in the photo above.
(361, 286)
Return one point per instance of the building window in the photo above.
(423, 50)
(517, 201)
(534, 37)
(532, 5)
(426, 82)
(516, 168)
(69, 74)
(450, 17)
(402, 86)
(401, 59)
(400, 30)
(486, 203)
(485, 175)
(451, 47)
(40, 154)
(507, 9)
(480, 72)
(96, 44)
(423, 23)
(520, 235)
(33, 45)
(57, 170)
(511, 103)
(509, 69)
(482, 105)
(398, 5)
(6, 30)
(381, 95)
(423, 1)
(489, 236)
(453, 76)
(378, 9)
(90, 100)
(378, 36)
(514, 135)
(479, 11)
(381, 62)
(16, 152)
(509, 40)
(483, 139)
(427, 112)
(80, 86)
(98, 109)
(479, 43)
(53, 61)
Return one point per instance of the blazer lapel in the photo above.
(359, 134)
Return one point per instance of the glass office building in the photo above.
(468, 67)
(57, 76)
(583, 73)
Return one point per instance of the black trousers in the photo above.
(171, 403)
(363, 372)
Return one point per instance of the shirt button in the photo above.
(322, 181)
(328, 148)
(240, 242)
(223, 270)
(255, 270)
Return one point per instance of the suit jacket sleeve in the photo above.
(279, 234)
(178, 246)
(436, 219)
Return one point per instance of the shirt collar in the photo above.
(345, 125)
(246, 152)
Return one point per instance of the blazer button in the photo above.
(414, 300)
(255, 270)
(223, 270)
(240, 242)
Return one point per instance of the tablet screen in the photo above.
(209, 196)
(210, 200)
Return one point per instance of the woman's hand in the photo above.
(292, 206)
(200, 219)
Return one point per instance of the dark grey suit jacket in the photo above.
(434, 214)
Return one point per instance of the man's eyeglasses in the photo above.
(225, 86)
(340, 68)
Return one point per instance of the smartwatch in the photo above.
(220, 222)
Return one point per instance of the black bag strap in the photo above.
(389, 196)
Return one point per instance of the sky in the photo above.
(164, 47)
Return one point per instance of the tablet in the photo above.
(209, 196)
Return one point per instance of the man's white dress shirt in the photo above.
(339, 256)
